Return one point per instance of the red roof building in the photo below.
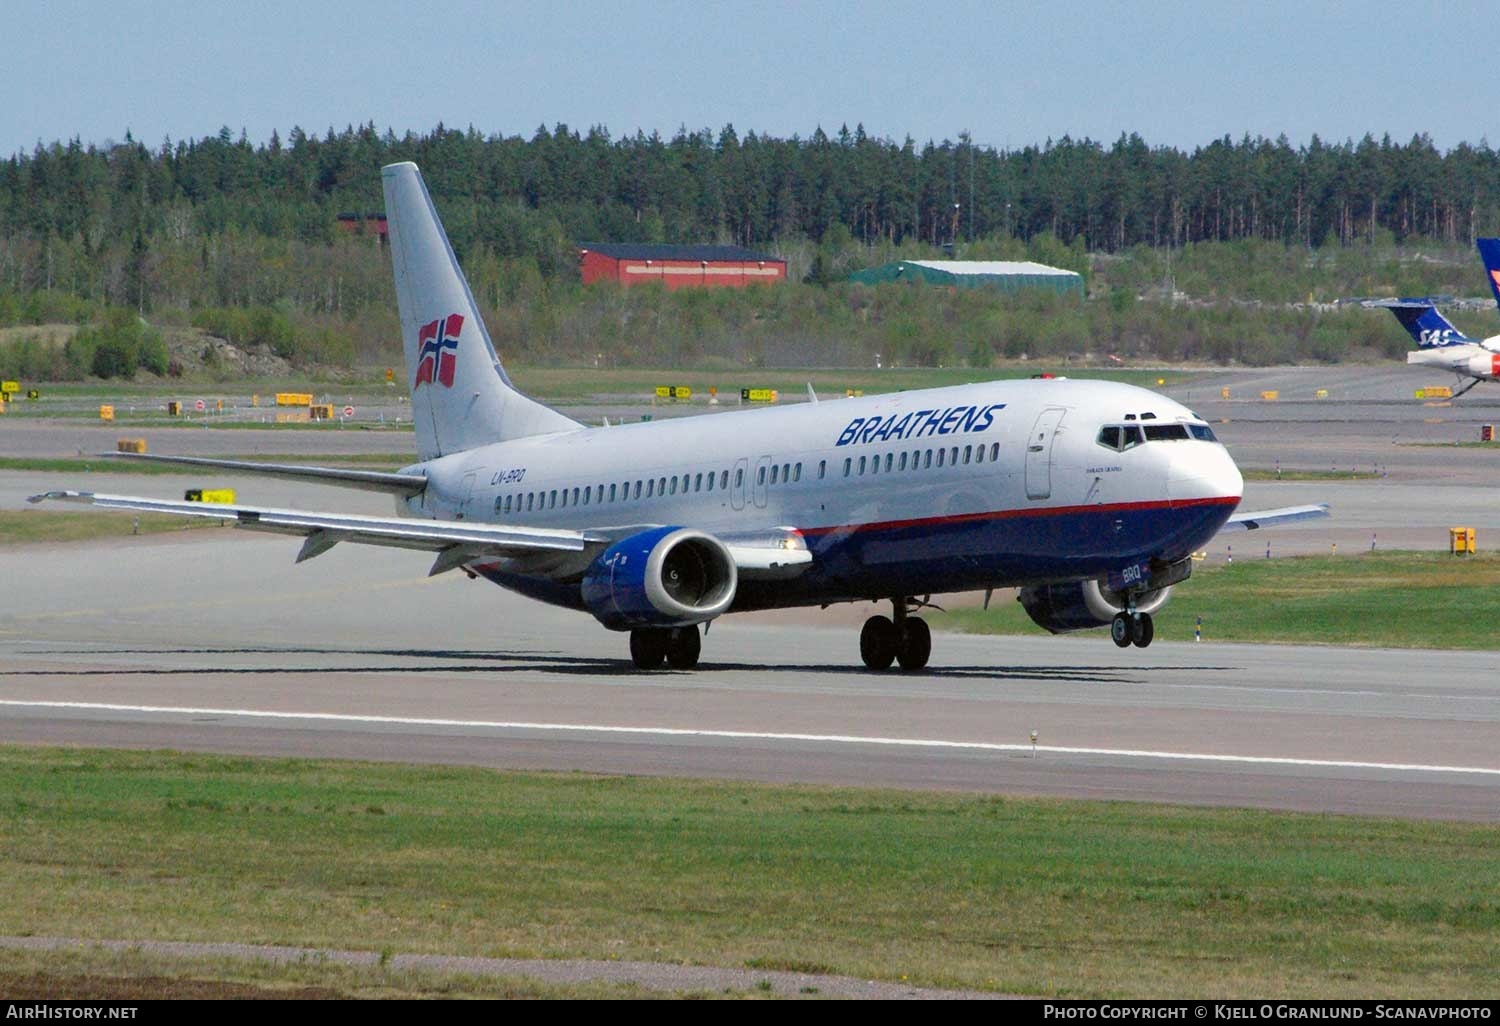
(678, 267)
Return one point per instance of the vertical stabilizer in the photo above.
(1489, 252)
(460, 395)
(1427, 328)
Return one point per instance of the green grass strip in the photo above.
(1385, 599)
(37, 526)
(1023, 896)
(110, 465)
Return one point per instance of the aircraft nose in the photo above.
(1203, 471)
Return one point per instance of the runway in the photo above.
(202, 643)
(213, 640)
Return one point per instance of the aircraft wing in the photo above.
(455, 542)
(405, 485)
(775, 553)
(1274, 517)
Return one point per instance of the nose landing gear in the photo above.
(1128, 629)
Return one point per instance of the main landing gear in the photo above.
(905, 639)
(678, 647)
(1128, 629)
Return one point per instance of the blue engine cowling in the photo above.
(1082, 604)
(665, 577)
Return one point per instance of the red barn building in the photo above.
(678, 267)
(353, 223)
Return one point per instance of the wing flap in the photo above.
(324, 530)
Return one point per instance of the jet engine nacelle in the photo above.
(1083, 604)
(665, 577)
(1485, 365)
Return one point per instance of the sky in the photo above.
(1180, 73)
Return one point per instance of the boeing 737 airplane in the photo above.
(1439, 343)
(1089, 496)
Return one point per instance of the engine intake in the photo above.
(665, 577)
(1082, 604)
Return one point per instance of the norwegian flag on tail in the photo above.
(437, 351)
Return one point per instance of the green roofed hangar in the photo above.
(1003, 275)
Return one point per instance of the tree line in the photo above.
(190, 232)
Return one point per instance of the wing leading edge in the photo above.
(455, 543)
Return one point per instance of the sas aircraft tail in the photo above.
(461, 397)
(1428, 328)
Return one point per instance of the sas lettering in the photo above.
(919, 424)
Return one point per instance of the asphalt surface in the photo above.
(214, 640)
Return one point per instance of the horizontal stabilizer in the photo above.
(405, 485)
(1274, 517)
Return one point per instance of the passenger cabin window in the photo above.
(822, 468)
(797, 472)
(848, 462)
(774, 468)
(760, 476)
(739, 476)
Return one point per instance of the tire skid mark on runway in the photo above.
(746, 735)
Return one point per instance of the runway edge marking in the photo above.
(746, 735)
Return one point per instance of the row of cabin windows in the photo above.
(630, 491)
(919, 459)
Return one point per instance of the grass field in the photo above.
(109, 465)
(1021, 896)
(1397, 599)
(31, 526)
(564, 384)
(1287, 474)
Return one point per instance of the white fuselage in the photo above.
(918, 492)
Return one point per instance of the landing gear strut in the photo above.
(1128, 629)
(678, 647)
(905, 640)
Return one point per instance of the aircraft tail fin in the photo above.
(1489, 252)
(461, 397)
(1428, 328)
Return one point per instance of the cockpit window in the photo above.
(1119, 436)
